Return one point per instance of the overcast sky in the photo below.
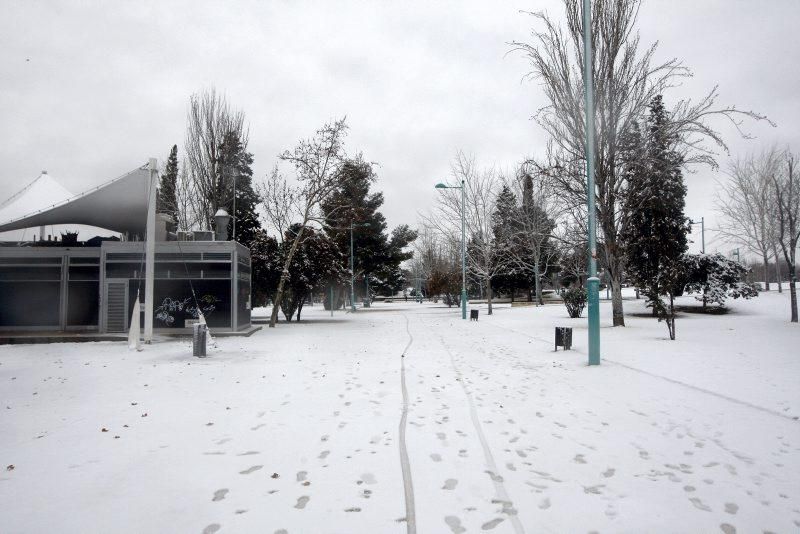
(90, 90)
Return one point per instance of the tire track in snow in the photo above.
(408, 486)
(500, 489)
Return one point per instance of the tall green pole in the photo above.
(463, 254)
(352, 273)
(594, 282)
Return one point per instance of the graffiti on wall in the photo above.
(171, 309)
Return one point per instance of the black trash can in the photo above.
(199, 340)
(563, 337)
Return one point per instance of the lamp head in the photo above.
(440, 185)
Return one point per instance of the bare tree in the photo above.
(534, 250)
(186, 199)
(626, 78)
(787, 193)
(745, 203)
(484, 260)
(317, 162)
(209, 120)
(280, 201)
(437, 263)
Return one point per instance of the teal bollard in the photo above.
(594, 320)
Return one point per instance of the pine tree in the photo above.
(376, 253)
(505, 226)
(236, 177)
(655, 228)
(166, 201)
(317, 263)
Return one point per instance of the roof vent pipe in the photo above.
(221, 220)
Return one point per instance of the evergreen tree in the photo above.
(377, 254)
(167, 201)
(266, 261)
(655, 228)
(236, 177)
(506, 226)
(317, 263)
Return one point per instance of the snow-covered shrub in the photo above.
(575, 301)
(716, 278)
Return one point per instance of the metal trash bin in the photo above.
(366, 303)
(564, 337)
(199, 340)
(473, 315)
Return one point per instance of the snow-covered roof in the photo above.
(119, 204)
(42, 193)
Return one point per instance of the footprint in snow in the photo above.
(608, 473)
(301, 475)
(489, 525)
(248, 453)
(369, 478)
(544, 504)
(450, 484)
(219, 494)
(212, 528)
(727, 528)
(699, 504)
(258, 426)
(301, 502)
(323, 455)
(250, 469)
(436, 457)
(731, 507)
(455, 524)
(281, 531)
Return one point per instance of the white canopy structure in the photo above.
(126, 204)
(119, 205)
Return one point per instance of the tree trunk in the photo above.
(777, 267)
(793, 296)
(765, 258)
(300, 307)
(538, 283)
(616, 299)
(671, 318)
(489, 293)
(284, 277)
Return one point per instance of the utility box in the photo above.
(563, 337)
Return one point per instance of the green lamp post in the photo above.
(594, 281)
(463, 246)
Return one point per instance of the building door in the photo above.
(116, 305)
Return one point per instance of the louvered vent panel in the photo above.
(115, 307)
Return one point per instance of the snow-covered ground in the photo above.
(299, 429)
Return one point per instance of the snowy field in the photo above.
(299, 429)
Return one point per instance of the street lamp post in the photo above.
(702, 224)
(463, 246)
(594, 282)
